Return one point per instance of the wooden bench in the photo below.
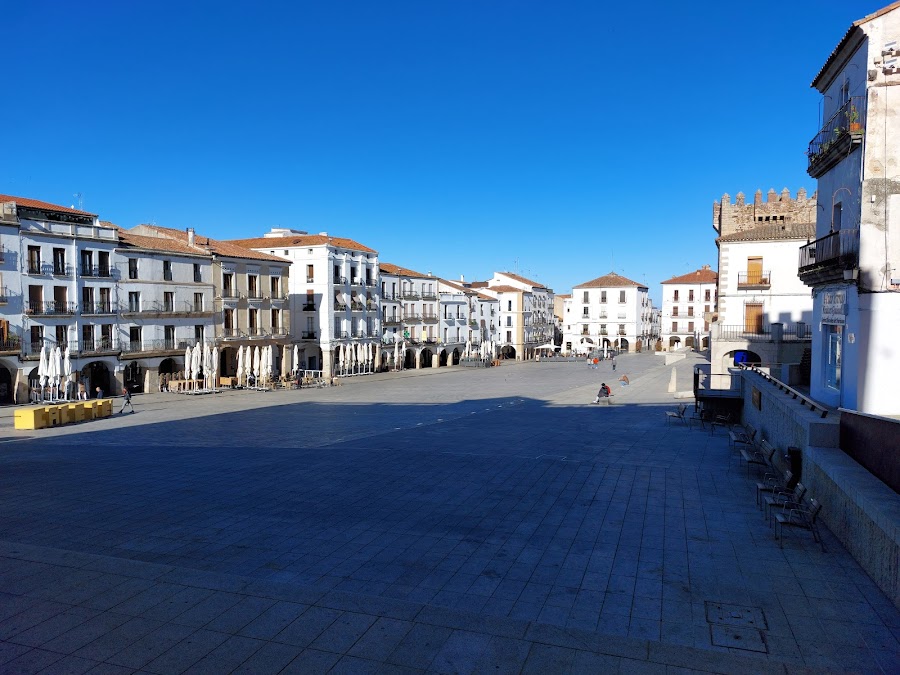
(802, 516)
(678, 414)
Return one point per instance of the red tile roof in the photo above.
(505, 289)
(46, 206)
(523, 279)
(456, 286)
(701, 276)
(203, 244)
(769, 232)
(130, 240)
(390, 268)
(611, 280)
(301, 240)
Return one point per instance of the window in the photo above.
(706, 295)
(87, 264)
(836, 217)
(675, 310)
(198, 302)
(198, 277)
(228, 322)
(674, 326)
(253, 320)
(585, 297)
(227, 285)
(621, 329)
(87, 300)
(621, 296)
(103, 263)
(690, 326)
(275, 286)
(132, 268)
(198, 333)
(509, 336)
(690, 310)
(134, 337)
(134, 301)
(337, 274)
(276, 321)
(509, 321)
(34, 259)
(675, 295)
(833, 336)
(59, 261)
(705, 308)
(509, 305)
(167, 270)
(602, 296)
(106, 335)
(37, 337)
(310, 277)
(61, 335)
(105, 301)
(169, 336)
(691, 295)
(602, 329)
(755, 270)
(168, 301)
(252, 286)
(310, 304)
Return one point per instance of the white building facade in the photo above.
(609, 312)
(688, 302)
(852, 266)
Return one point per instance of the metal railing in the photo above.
(409, 295)
(96, 346)
(230, 294)
(96, 271)
(4, 294)
(339, 307)
(754, 279)
(10, 345)
(154, 346)
(308, 335)
(850, 118)
(339, 280)
(797, 332)
(49, 307)
(309, 307)
(841, 247)
(97, 308)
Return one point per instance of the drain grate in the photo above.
(735, 615)
(737, 626)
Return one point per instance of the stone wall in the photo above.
(729, 218)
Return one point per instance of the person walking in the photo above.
(126, 403)
(614, 363)
(99, 392)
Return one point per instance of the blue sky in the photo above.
(561, 139)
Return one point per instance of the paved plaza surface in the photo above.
(452, 520)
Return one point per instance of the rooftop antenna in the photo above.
(80, 197)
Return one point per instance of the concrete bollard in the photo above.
(672, 387)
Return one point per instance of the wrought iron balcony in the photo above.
(357, 306)
(763, 333)
(309, 307)
(308, 335)
(826, 259)
(838, 137)
(96, 271)
(11, 345)
(339, 307)
(429, 296)
(339, 280)
(392, 321)
(50, 307)
(97, 308)
(97, 346)
(4, 296)
(430, 318)
(310, 280)
(412, 318)
(754, 280)
(409, 295)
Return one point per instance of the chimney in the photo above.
(190, 234)
(462, 279)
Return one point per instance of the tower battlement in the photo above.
(739, 216)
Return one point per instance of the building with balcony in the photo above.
(54, 259)
(411, 316)
(852, 265)
(525, 313)
(165, 303)
(467, 318)
(609, 312)
(688, 305)
(249, 301)
(763, 311)
(334, 297)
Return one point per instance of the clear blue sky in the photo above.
(453, 136)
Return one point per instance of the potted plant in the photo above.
(853, 118)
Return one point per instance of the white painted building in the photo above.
(415, 300)
(764, 311)
(525, 313)
(610, 311)
(688, 302)
(853, 266)
(334, 296)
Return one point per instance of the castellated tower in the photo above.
(777, 209)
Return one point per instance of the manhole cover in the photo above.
(735, 615)
(738, 638)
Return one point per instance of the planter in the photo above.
(855, 127)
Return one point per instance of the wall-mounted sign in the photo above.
(834, 307)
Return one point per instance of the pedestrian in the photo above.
(99, 392)
(624, 380)
(614, 363)
(126, 403)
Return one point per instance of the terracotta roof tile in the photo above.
(523, 279)
(46, 206)
(301, 240)
(505, 289)
(390, 268)
(223, 248)
(456, 286)
(611, 280)
(130, 240)
(788, 231)
(701, 276)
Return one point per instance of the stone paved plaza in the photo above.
(458, 520)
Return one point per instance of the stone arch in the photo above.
(508, 352)
(674, 342)
(442, 358)
(96, 374)
(689, 341)
(7, 384)
(426, 357)
(739, 356)
(454, 358)
(133, 376)
(622, 344)
(705, 342)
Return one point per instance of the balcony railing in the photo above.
(339, 280)
(4, 295)
(838, 136)
(412, 318)
(310, 280)
(827, 258)
(97, 308)
(50, 307)
(97, 346)
(392, 321)
(309, 307)
(230, 294)
(409, 295)
(754, 279)
(155, 346)
(308, 335)
(429, 296)
(96, 271)
(357, 306)
(339, 307)
(255, 295)
(430, 318)
(797, 332)
(10, 345)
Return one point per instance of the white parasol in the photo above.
(67, 368)
(195, 362)
(188, 355)
(286, 361)
(53, 368)
(239, 365)
(215, 367)
(43, 367)
(296, 357)
(256, 361)
(396, 353)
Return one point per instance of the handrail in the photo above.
(793, 393)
